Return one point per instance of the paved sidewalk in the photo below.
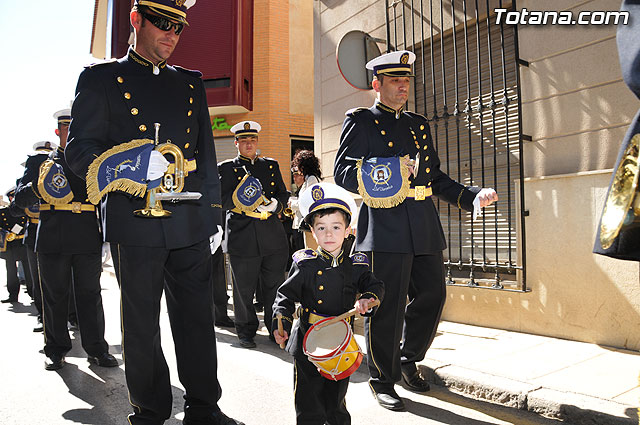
(576, 382)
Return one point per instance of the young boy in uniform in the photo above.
(326, 282)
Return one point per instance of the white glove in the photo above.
(273, 205)
(215, 240)
(158, 164)
(484, 198)
(16, 228)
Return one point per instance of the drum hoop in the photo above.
(343, 345)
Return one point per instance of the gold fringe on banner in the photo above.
(44, 170)
(389, 201)
(123, 185)
(240, 205)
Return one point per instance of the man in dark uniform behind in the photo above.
(120, 108)
(13, 227)
(255, 239)
(42, 151)
(68, 246)
(405, 238)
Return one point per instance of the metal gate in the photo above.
(467, 85)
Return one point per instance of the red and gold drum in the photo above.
(333, 349)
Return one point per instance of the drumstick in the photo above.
(344, 315)
(280, 328)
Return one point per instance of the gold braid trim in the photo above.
(239, 205)
(124, 185)
(459, 197)
(389, 201)
(44, 170)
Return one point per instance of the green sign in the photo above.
(220, 124)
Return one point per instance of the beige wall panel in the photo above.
(370, 20)
(596, 64)
(326, 163)
(329, 68)
(594, 150)
(585, 110)
(336, 88)
(338, 11)
(574, 293)
(331, 138)
(300, 57)
(537, 42)
(333, 113)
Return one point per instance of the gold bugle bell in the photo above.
(171, 182)
(288, 212)
(622, 208)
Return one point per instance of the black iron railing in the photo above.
(467, 85)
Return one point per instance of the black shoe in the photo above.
(225, 322)
(38, 328)
(247, 343)
(54, 362)
(413, 380)
(218, 418)
(389, 399)
(10, 300)
(103, 360)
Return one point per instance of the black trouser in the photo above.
(219, 285)
(11, 258)
(58, 272)
(246, 273)
(36, 290)
(420, 277)
(318, 400)
(143, 273)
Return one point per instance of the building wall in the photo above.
(576, 108)
(280, 106)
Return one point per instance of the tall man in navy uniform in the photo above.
(402, 232)
(69, 249)
(253, 194)
(121, 108)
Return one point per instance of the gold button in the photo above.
(272, 174)
(191, 85)
(424, 136)
(414, 137)
(306, 309)
(186, 145)
(189, 113)
(239, 178)
(426, 158)
(321, 288)
(319, 272)
(188, 130)
(120, 80)
(412, 132)
(235, 170)
(424, 147)
(273, 184)
(319, 301)
(376, 121)
(422, 127)
(134, 111)
(383, 132)
(143, 128)
(127, 95)
(429, 184)
(190, 100)
(390, 144)
(270, 166)
(428, 170)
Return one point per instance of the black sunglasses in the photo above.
(163, 24)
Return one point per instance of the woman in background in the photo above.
(305, 168)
